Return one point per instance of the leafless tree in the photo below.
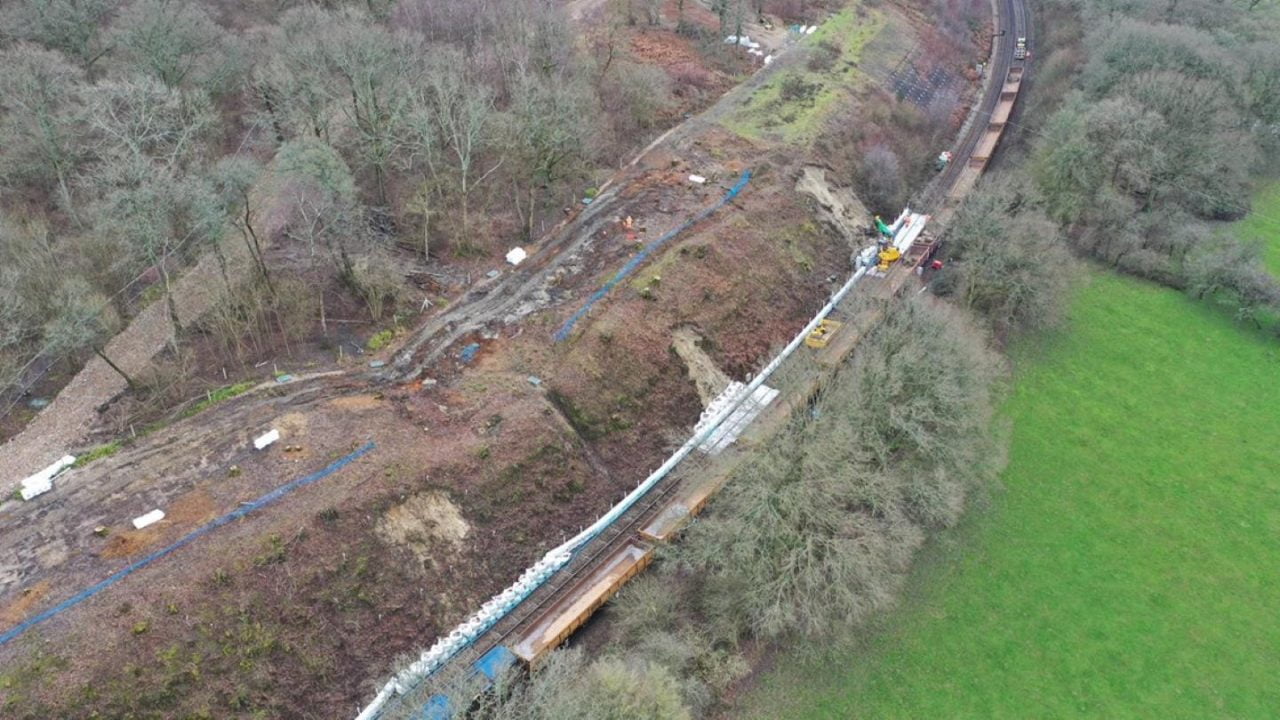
(550, 121)
(232, 180)
(820, 528)
(41, 119)
(1007, 260)
(568, 687)
(173, 40)
(71, 26)
(138, 118)
(465, 113)
(375, 72)
(290, 76)
(880, 179)
(148, 137)
(84, 321)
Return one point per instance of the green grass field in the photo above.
(1130, 566)
(1263, 225)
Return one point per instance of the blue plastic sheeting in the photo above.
(634, 262)
(437, 708)
(469, 353)
(236, 514)
(493, 663)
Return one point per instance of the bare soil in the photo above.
(481, 465)
(295, 610)
(34, 438)
(707, 378)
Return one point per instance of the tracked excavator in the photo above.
(888, 254)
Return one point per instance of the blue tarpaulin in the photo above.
(493, 663)
(437, 708)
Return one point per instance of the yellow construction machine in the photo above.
(887, 257)
(821, 335)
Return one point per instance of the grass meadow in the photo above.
(1129, 566)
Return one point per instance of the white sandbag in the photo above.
(42, 482)
(266, 438)
(150, 518)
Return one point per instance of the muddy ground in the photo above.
(481, 463)
(295, 610)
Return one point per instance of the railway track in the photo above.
(1005, 76)
(1012, 22)
(511, 627)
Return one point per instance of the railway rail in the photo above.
(1012, 21)
(599, 567)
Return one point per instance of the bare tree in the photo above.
(27, 260)
(528, 37)
(639, 95)
(426, 147)
(139, 118)
(820, 528)
(142, 209)
(291, 76)
(232, 179)
(317, 163)
(549, 127)
(148, 136)
(731, 14)
(41, 119)
(72, 26)
(1260, 86)
(880, 179)
(1129, 47)
(376, 73)
(1007, 260)
(1228, 269)
(567, 687)
(318, 193)
(173, 40)
(465, 112)
(1204, 149)
(84, 321)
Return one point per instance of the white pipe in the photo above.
(374, 707)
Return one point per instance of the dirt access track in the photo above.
(490, 443)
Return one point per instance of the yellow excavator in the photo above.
(888, 253)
